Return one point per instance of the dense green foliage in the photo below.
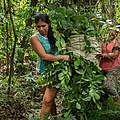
(84, 98)
(80, 80)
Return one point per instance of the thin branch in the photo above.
(7, 41)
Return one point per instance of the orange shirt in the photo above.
(106, 63)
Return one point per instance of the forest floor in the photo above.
(25, 99)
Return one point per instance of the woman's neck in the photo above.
(45, 36)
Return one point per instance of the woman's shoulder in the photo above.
(33, 37)
(36, 35)
(40, 36)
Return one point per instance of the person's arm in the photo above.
(38, 48)
(114, 54)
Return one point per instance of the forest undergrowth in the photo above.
(24, 100)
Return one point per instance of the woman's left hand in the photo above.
(66, 57)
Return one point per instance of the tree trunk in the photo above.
(7, 42)
(112, 10)
(13, 51)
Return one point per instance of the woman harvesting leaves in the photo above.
(43, 43)
(110, 63)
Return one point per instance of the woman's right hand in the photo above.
(98, 56)
(66, 57)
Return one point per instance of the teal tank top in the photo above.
(46, 45)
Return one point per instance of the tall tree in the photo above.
(13, 51)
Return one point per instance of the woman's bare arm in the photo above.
(38, 48)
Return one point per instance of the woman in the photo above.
(43, 43)
(110, 63)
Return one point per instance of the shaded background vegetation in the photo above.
(17, 60)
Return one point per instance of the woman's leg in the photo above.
(48, 101)
(54, 111)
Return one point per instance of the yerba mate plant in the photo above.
(81, 83)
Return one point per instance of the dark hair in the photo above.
(44, 17)
(112, 33)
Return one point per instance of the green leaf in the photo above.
(97, 96)
(81, 72)
(56, 63)
(98, 106)
(78, 106)
(84, 93)
(82, 63)
(61, 75)
(4, 80)
(86, 79)
(99, 77)
(61, 78)
(63, 44)
(74, 32)
(92, 92)
(63, 84)
(86, 98)
(67, 113)
(77, 62)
